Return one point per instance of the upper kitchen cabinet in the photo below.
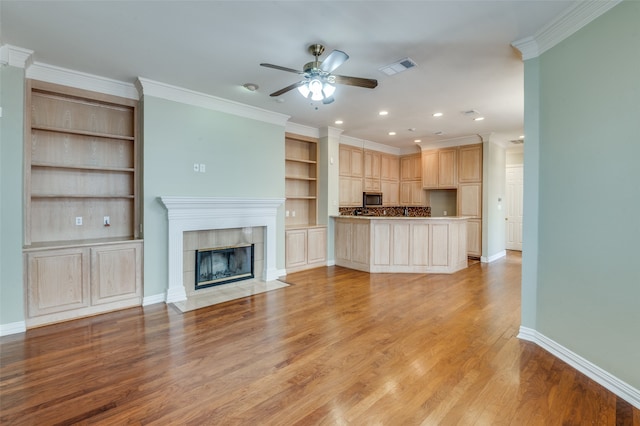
(351, 176)
(372, 171)
(470, 164)
(440, 168)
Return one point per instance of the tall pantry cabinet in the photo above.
(82, 248)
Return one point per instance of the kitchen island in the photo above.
(401, 244)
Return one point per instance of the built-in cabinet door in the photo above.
(389, 167)
(474, 237)
(350, 191)
(447, 168)
(371, 164)
(351, 161)
(470, 164)
(412, 194)
(116, 273)
(470, 199)
(390, 193)
(316, 245)
(430, 169)
(57, 281)
(296, 247)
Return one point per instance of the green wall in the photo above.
(588, 282)
(11, 163)
(243, 158)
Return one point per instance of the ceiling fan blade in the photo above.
(278, 67)
(286, 89)
(334, 60)
(367, 83)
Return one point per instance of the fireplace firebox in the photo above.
(216, 266)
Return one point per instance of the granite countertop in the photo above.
(365, 217)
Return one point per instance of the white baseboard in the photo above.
(156, 298)
(592, 371)
(499, 255)
(13, 328)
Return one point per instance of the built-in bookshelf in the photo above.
(301, 180)
(82, 249)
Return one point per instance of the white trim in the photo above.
(493, 258)
(365, 144)
(13, 328)
(81, 80)
(156, 298)
(448, 143)
(204, 213)
(589, 369)
(191, 97)
(565, 25)
(15, 56)
(300, 129)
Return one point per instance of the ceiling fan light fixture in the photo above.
(304, 90)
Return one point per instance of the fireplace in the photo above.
(223, 265)
(187, 214)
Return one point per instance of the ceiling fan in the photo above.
(318, 82)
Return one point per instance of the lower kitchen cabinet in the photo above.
(305, 248)
(474, 237)
(65, 283)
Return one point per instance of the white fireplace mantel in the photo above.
(206, 213)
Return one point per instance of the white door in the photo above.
(514, 207)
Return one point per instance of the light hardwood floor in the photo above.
(335, 347)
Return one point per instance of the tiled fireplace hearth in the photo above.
(186, 214)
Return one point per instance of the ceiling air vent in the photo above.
(399, 66)
(517, 141)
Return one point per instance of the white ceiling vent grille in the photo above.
(399, 66)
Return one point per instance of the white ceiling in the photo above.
(463, 52)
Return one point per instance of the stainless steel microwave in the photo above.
(371, 199)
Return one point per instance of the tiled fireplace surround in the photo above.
(209, 222)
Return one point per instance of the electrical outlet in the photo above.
(286, 213)
(107, 221)
(293, 213)
(203, 168)
(78, 220)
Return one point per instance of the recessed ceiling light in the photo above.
(392, 133)
(383, 113)
(339, 122)
(521, 137)
(418, 140)
(437, 114)
(478, 119)
(252, 87)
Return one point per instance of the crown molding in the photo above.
(190, 97)
(81, 80)
(565, 25)
(330, 132)
(448, 143)
(15, 56)
(300, 129)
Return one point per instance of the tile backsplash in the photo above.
(386, 211)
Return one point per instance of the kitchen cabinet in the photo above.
(474, 237)
(305, 248)
(412, 194)
(389, 167)
(390, 192)
(350, 191)
(470, 199)
(351, 161)
(410, 167)
(439, 169)
(470, 164)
